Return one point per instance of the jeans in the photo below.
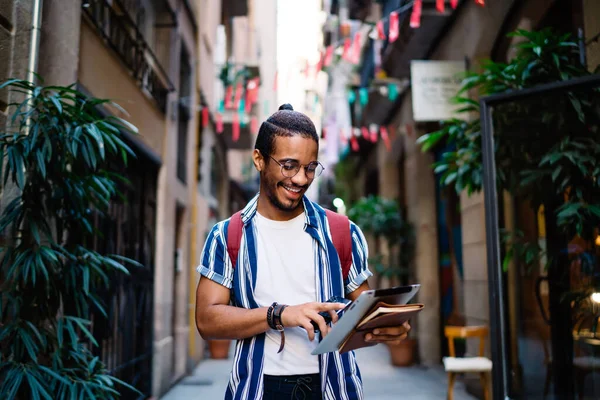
(292, 387)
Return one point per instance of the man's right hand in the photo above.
(302, 314)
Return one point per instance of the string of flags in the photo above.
(240, 99)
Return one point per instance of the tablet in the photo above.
(359, 307)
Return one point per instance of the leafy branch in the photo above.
(59, 178)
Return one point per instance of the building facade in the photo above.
(451, 249)
(155, 59)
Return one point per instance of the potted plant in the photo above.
(392, 256)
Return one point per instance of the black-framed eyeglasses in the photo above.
(290, 168)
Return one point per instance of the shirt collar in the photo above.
(310, 211)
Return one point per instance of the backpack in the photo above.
(340, 233)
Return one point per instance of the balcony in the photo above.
(121, 34)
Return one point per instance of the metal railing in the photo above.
(123, 37)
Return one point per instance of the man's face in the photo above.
(286, 193)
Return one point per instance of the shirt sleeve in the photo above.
(359, 271)
(215, 263)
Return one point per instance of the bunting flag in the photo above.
(354, 143)
(363, 95)
(228, 96)
(219, 122)
(323, 132)
(415, 17)
(480, 2)
(356, 48)
(392, 92)
(440, 5)
(351, 96)
(347, 47)
(373, 131)
(343, 137)
(275, 81)
(242, 106)
(204, 117)
(221, 107)
(248, 102)
(365, 133)
(386, 138)
(453, 4)
(235, 128)
(380, 30)
(254, 125)
(328, 56)
(394, 32)
(238, 95)
(319, 65)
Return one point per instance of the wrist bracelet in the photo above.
(270, 316)
(274, 321)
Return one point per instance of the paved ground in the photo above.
(382, 381)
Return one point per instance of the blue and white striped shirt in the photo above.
(340, 377)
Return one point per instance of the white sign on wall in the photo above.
(433, 84)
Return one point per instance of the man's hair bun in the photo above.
(286, 106)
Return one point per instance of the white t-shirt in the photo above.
(286, 274)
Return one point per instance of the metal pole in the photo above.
(497, 329)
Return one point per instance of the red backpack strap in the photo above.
(234, 236)
(339, 225)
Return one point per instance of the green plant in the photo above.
(553, 156)
(56, 181)
(382, 218)
(547, 152)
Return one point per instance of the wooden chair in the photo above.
(457, 365)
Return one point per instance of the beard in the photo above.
(271, 190)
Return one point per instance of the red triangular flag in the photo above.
(356, 48)
(480, 2)
(343, 136)
(254, 125)
(365, 133)
(453, 4)
(354, 143)
(323, 132)
(235, 128)
(415, 17)
(219, 122)
(228, 94)
(394, 26)
(328, 56)
(319, 65)
(440, 5)
(386, 138)
(238, 95)
(347, 46)
(204, 117)
(380, 32)
(373, 133)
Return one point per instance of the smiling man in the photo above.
(286, 268)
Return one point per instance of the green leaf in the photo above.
(451, 177)
(57, 104)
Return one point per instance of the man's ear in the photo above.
(258, 160)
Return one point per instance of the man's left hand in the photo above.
(392, 335)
